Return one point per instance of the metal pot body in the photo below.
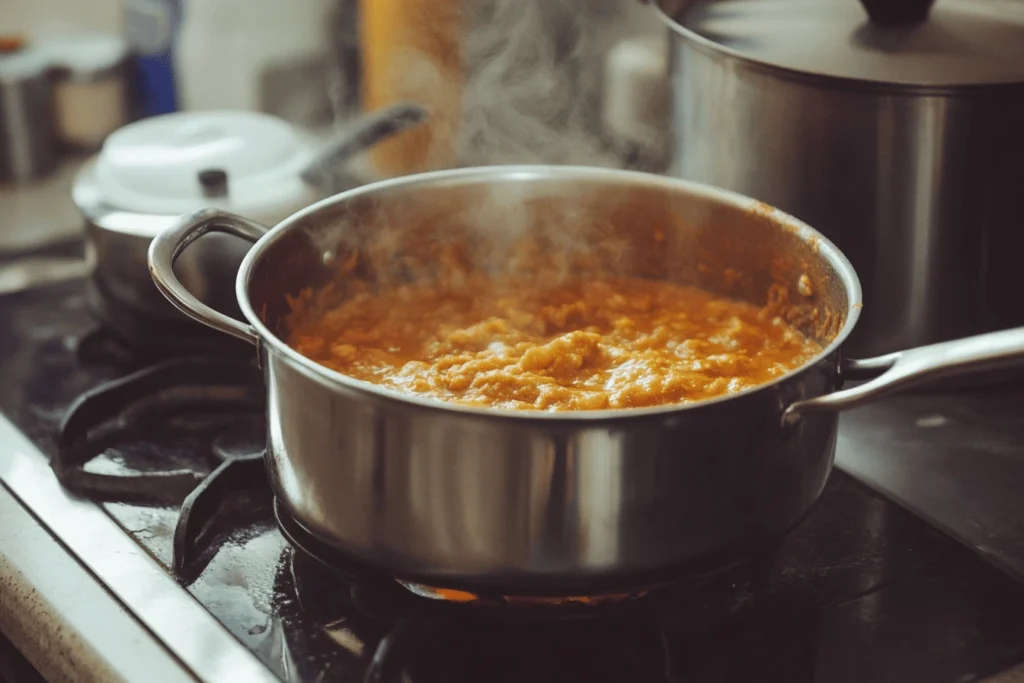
(917, 187)
(532, 501)
(453, 499)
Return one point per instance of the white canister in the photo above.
(256, 55)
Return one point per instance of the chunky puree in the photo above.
(578, 345)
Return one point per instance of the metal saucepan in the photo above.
(119, 237)
(556, 502)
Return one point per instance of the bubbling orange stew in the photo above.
(519, 344)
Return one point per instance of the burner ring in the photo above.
(490, 603)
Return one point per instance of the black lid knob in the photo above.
(214, 182)
(897, 12)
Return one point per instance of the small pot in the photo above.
(535, 502)
(152, 171)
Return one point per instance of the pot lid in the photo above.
(243, 161)
(900, 42)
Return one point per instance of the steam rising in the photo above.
(530, 94)
(532, 88)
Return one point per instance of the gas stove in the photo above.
(143, 464)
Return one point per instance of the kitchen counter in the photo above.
(61, 618)
(83, 602)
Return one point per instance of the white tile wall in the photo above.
(44, 18)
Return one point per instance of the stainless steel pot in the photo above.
(899, 137)
(118, 238)
(558, 502)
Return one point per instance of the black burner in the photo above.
(406, 632)
(705, 596)
(126, 407)
(766, 621)
(233, 495)
(206, 401)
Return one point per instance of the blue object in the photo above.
(154, 85)
(150, 29)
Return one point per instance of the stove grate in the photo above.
(222, 401)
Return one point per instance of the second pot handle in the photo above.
(168, 245)
(914, 366)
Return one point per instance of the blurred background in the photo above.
(491, 81)
(900, 142)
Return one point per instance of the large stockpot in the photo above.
(898, 136)
(533, 501)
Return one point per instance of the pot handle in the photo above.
(168, 245)
(908, 368)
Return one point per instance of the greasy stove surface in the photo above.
(861, 591)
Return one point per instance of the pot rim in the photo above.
(848, 83)
(781, 220)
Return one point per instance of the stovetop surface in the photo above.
(860, 591)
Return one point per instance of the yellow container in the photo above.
(410, 53)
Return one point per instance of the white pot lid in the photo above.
(154, 165)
